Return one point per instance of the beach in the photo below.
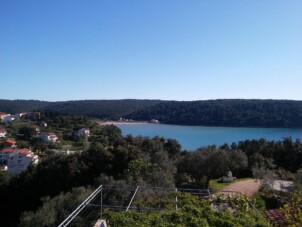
(123, 122)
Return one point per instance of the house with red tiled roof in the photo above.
(9, 143)
(16, 160)
(21, 160)
(9, 150)
(48, 137)
(5, 153)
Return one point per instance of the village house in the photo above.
(82, 132)
(2, 133)
(9, 143)
(20, 160)
(16, 160)
(48, 137)
(9, 119)
(22, 114)
(5, 153)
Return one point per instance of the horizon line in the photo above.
(147, 99)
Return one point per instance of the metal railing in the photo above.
(80, 207)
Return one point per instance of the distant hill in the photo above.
(103, 109)
(224, 112)
(234, 112)
(17, 106)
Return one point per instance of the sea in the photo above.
(194, 137)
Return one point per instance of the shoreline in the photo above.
(206, 126)
(124, 122)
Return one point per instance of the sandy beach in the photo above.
(123, 122)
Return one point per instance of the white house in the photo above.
(154, 121)
(48, 137)
(20, 160)
(82, 132)
(2, 133)
(8, 119)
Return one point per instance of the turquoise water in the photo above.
(193, 137)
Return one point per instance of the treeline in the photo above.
(102, 109)
(18, 106)
(234, 113)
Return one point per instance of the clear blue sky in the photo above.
(156, 49)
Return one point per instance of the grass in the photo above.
(216, 185)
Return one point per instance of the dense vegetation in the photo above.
(102, 109)
(242, 113)
(44, 194)
(254, 113)
(192, 212)
(17, 106)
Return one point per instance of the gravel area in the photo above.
(248, 187)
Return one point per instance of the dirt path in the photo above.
(248, 187)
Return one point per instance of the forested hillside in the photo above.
(103, 109)
(252, 113)
(16, 106)
(235, 112)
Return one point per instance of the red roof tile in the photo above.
(11, 141)
(24, 150)
(48, 133)
(9, 149)
(276, 217)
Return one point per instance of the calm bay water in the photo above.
(193, 137)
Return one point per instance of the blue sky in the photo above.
(150, 49)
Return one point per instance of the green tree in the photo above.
(210, 162)
(27, 132)
(54, 210)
